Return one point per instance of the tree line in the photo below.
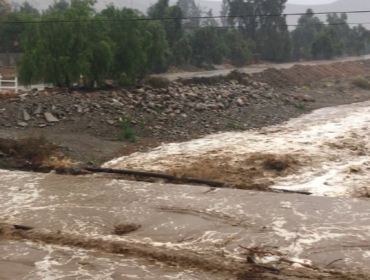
(71, 42)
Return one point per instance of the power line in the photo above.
(115, 28)
(281, 25)
(182, 18)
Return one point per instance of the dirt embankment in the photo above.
(305, 75)
(254, 172)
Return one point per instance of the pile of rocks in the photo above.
(183, 105)
(42, 107)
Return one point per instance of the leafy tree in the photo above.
(5, 8)
(224, 12)
(340, 31)
(128, 43)
(12, 29)
(80, 42)
(59, 53)
(324, 45)
(156, 48)
(182, 52)
(59, 5)
(359, 40)
(191, 10)
(173, 26)
(159, 10)
(237, 47)
(27, 8)
(304, 35)
(208, 46)
(270, 34)
(210, 21)
(248, 25)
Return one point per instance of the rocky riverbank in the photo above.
(88, 124)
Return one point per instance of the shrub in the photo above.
(32, 153)
(361, 83)
(156, 81)
(301, 106)
(127, 131)
(234, 125)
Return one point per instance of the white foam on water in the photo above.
(332, 146)
(19, 195)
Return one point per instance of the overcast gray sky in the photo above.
(308, 2)
(314, 2)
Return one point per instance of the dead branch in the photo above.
(255, 251)
(214, 184)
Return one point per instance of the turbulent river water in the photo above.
(331, 147)
(182, 222)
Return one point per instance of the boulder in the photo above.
(26, 116)
(22, 124)
(50, 117)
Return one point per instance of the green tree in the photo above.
(182, 52)
(173, 26)
(340, 31)
(208, 46)
(237, 48)
(210, 20)
(159, 9)
(270, 34)
(225, 8)
(59, 52)
(359, 40)
(190, 10)
(157, 49)
(27, 8)
(59, 5)
(13, 27)
(304, 35)
(113, 43)
(128, 43)
(5, 8)
(324, 45)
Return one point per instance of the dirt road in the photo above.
(195, 228)
(258, 68)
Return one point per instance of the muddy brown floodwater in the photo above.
(326, 152)
(187, 232)
(184, 232)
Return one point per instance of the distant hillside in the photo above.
(338, 6)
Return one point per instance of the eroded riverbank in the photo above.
(325, 152)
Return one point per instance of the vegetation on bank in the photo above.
(71, 43)
(33, 153)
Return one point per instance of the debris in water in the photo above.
(122, 229)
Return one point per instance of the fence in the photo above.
(15, 82)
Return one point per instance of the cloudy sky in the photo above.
(314, 2)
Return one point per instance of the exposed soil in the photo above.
(36, 154)
(304, 75)
(250, 173)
